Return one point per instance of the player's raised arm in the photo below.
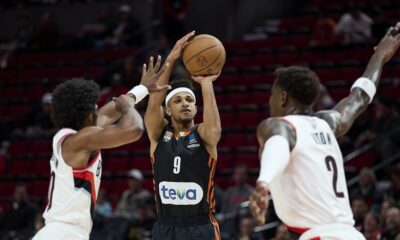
(108, 114)
(128, 129)
(154, 116)
(210, 129)
(363, 90)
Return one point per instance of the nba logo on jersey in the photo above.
(167, 136)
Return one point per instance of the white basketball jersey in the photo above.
(312, 189)
(72, 192)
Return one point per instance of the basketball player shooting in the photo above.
(76, 163)
(184, 156)
(301, 162)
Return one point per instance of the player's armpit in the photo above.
(154, 121)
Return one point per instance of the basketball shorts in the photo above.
(186, 228)
(61, 231)
(332, 232)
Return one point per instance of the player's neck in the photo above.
(182, 127)
(298, 110)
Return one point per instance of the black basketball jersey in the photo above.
(183, 174)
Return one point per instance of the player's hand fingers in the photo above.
(151, 65)
(158, 64)
(197, 78)
(163, 69)
(188, 36)
(161, 88)
(144, 68)
(397, 27)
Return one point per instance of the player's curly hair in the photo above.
(73, 101)
(301, 83)
(187, 83)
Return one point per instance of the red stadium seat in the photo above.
(41, 188)
(327, 74)
(116, 164)
(21, 168)
(248, 119)
(227, 119)
(364, 160)
(143, 163)
(260, 98)
(310, 57)
(277, 41)
(225, 162)
(7, 189)
(42, 148)
(42, 168)
(233, 140)
(251, 160)
(148, 185)
(252, 79)
(19, 147)
(350, 73)
(119, 187)
(264, 60)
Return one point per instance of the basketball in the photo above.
(204, 55)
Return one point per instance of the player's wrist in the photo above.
(366, 85)
(139, 92)
(378, 56)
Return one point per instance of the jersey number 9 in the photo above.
(177, 164)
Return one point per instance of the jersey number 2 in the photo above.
(331, 165)
(177, 164)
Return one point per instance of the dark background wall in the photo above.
(227, 19)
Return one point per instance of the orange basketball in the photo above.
(204, 55)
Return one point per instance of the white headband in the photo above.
(178, 90)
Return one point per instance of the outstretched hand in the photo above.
(151, 74)
(389, 44)
(176, 52)
(259, 202)
(202, 79)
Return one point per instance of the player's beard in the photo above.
(184, 121)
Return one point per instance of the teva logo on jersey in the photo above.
(180, 193)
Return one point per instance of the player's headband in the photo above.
(179, 90)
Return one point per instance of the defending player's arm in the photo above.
(78, 147)
(210, 129)
(276, 138)
(107, 115)
(154, 116)
(363, 90)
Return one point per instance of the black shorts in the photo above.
(186, 228)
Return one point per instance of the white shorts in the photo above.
(61, 231)
(334, 231)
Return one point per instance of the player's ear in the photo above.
(284, 98)
(90, 120)
(168, 111)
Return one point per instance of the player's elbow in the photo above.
(216, 131)
(137, 132)
(214, 135)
